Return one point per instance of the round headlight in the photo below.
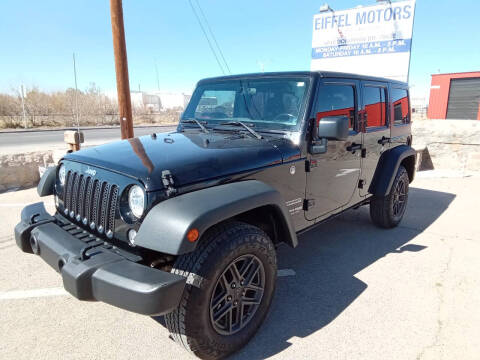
(62, 174)
(136, 200)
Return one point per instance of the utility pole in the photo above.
(121, 69)
(76, 93)
(22, 94)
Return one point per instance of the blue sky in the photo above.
(38, 38)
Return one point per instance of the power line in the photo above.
(213, 36)
(206, 37)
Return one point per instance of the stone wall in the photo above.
(451, 144)
(22, 170)
(447, 145)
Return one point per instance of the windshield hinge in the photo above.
(361, 183)
(308, 204)
(168, 183)
(309, 164)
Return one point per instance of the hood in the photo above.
(189, 156)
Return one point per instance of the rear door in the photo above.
(333, 177)
(375, 126)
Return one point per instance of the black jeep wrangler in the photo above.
(186, 223)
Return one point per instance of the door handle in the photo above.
(354, 147)
(383, 140)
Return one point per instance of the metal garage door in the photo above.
(464, 98)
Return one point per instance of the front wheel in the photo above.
(230, 284)
(387, 211)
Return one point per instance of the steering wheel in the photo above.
(283, 115)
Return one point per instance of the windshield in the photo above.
(275, 103)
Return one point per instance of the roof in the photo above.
(459, 73)
(322, 74)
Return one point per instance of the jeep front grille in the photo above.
(90, 201)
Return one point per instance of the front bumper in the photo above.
(93, 270)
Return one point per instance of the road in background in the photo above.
(26, 141)
(355, 292)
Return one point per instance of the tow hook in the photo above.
(34, 245)
(83, 253)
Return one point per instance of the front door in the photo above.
(333, 176)
(376, 129)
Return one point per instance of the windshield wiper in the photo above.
(195, 121)
(248, 128)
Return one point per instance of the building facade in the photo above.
(455, 96)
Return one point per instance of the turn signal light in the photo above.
(192, 235)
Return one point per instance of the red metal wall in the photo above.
(439, 91)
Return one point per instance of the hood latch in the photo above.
(168, 183)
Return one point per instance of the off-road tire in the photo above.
(190, 324)
(382, 208)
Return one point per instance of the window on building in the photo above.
(337, 100)
(374, 99)
(401, 113)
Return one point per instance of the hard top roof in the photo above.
(322, 74)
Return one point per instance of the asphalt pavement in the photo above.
(348, 291)
(24, 141)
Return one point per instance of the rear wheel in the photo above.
(387, 211)
(230, 284)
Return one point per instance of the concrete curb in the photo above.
(440, 145)
(8, 131)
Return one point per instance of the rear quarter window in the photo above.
(401, 106)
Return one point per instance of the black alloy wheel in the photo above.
(387, 211)
(235, 267)
(237, 295)
(399, 197)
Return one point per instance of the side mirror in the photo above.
(329, 128)
(333, 128)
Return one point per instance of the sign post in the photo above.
(372, 40)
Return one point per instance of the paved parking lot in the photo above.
(352, 292)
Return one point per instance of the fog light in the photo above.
(131, 237)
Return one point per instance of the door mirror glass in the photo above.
(333, 128)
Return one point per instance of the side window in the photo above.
(336, 100)
(374, 99)
(401, 106)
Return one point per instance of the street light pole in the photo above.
(121, 69)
